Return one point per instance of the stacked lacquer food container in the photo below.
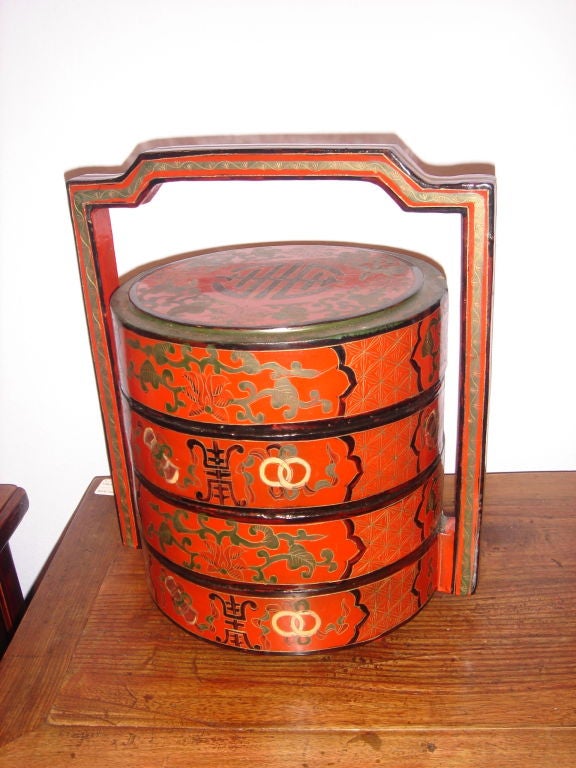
(283, 409)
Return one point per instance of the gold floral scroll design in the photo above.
(474, 201)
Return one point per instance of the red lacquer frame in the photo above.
(381, 159)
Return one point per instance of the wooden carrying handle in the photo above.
(382, 159)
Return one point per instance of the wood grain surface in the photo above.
(97, 676)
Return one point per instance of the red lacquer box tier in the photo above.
(283, 408)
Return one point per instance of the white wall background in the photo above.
(82, 82)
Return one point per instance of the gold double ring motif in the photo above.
(296, 623)
(284, 472)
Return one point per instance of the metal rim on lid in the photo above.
(271, 293)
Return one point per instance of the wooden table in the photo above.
(97, 676)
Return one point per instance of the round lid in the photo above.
(276, 286)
